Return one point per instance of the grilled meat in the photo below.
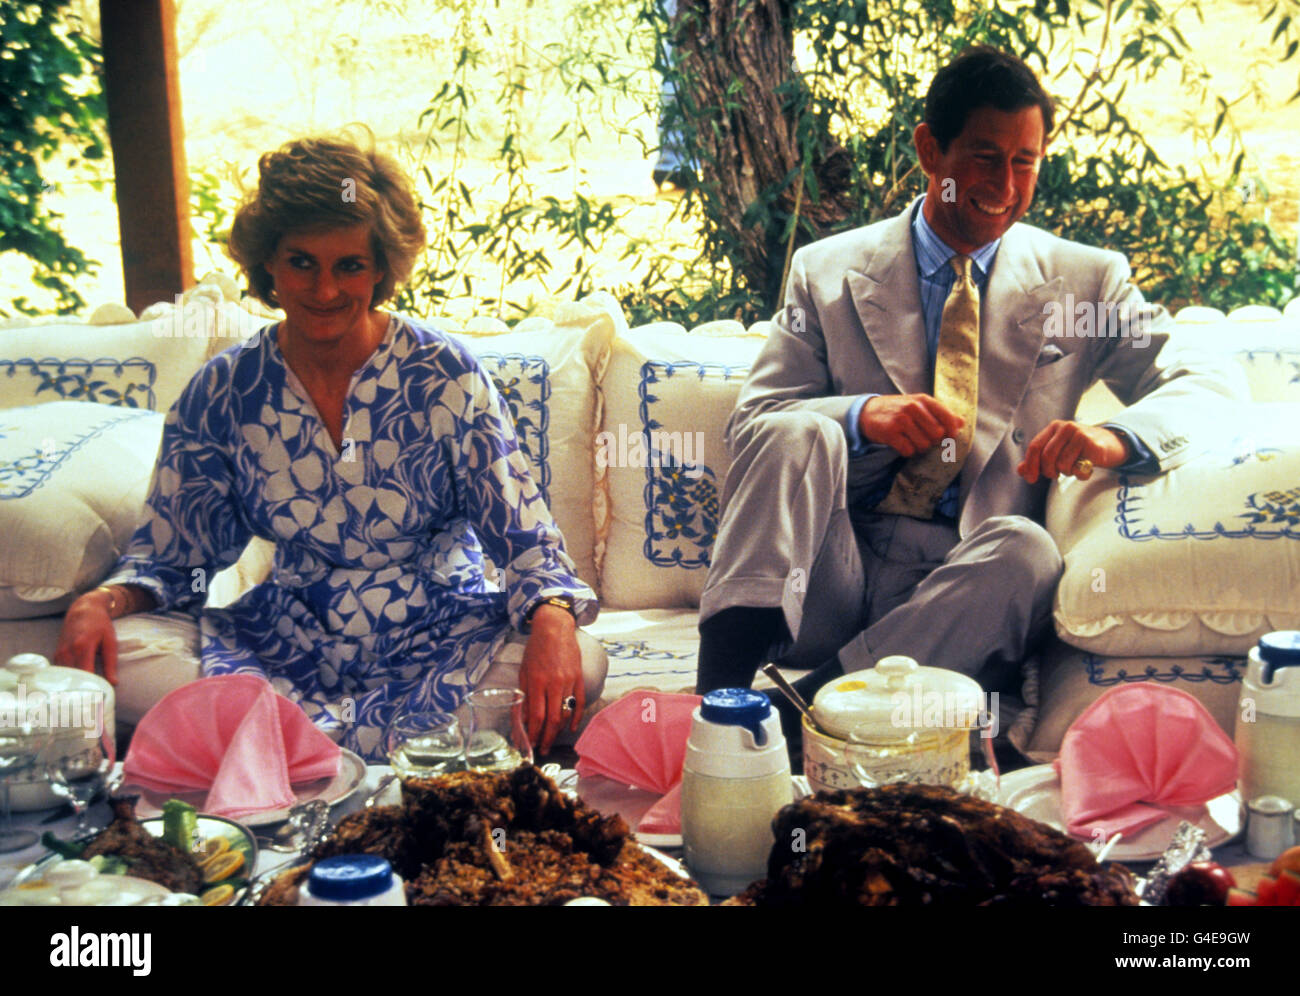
(920, 845)
(146, 856)
(496, 839)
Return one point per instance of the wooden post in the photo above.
(142, 88)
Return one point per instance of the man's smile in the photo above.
(990, 209)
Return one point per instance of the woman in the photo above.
(376, 454)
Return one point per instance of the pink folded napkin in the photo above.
(640, 741)
(234, 736)
(1136, 748)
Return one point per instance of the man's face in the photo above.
(984, 182)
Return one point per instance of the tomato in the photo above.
(1288, 860)
(1202, 883)
(1267, 891)
(1288, 889)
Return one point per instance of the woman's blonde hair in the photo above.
(328, 182)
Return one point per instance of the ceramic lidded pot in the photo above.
(895, 722)
(69, 701)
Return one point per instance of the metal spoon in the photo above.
(797, 700)
(302, 829)
(373, 798)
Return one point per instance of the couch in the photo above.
(1168, 579)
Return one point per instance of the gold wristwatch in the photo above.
(564, 602)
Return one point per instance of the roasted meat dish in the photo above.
(922, 845)
(146, 856)
(500, 839)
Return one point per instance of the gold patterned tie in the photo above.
(921, 481)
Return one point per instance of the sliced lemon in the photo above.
(218, 895)
(212, 847)
(221, 866)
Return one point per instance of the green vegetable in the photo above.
(109, 864)
(180, 824)
(63, 848)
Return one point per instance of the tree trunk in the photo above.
(740, 104)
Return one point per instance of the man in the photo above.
(893, 445)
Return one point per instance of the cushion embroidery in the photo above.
(1216, 670)
(22, 475)
(681, 492)
(71, 379)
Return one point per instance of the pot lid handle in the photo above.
(896, 670)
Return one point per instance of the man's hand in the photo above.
(1062, 444)
(551, 671)
(88, 634)
(910, 423)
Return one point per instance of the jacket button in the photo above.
(1017, 436)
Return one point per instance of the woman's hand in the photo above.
(88, 633)
(551, 672)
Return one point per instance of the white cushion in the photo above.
(73, 481)
(547, 371)
(1201, 560)
(668, 395)
(138, 365)
(1264, 345)
(1070, 680)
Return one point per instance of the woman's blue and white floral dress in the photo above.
(378, 596)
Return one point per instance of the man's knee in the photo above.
(1024, 551)
(795, 434)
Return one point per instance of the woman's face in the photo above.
(324, 280)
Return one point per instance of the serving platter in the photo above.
(352, 772)
(130, 889)
(1036, 792)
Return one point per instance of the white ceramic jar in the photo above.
(895, 722)
(70, 701)
(735, 777)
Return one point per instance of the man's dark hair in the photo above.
(982, 76)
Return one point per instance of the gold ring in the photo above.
(1083, 468)
(570, 703)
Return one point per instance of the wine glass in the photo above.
(80, 761)
(20, 746)
(424, 743)
(497, 739)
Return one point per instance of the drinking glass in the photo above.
(80, 761)
(20, 746)
(497, 739)
(424, 743)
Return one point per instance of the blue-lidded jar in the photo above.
(352, 880)
(735, 777)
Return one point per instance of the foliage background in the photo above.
(530, 125)
(52, 106)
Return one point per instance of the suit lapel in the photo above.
(887, 296)
(1011, 335)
